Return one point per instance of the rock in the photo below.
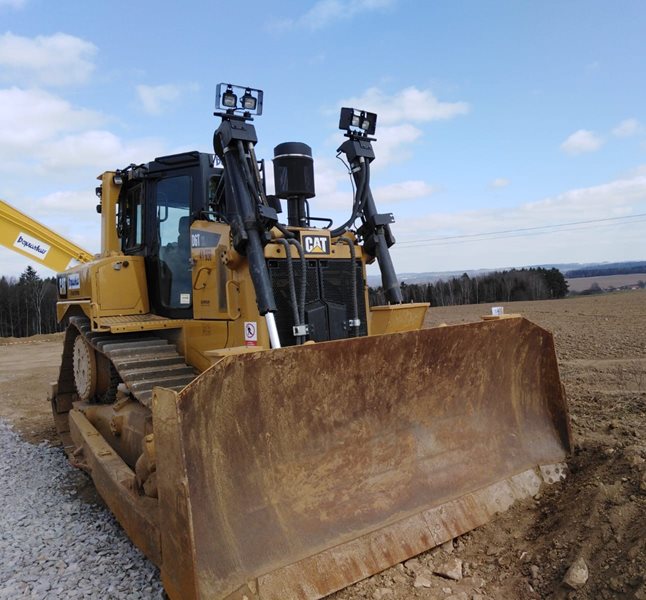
(577, 574)
(380, 593)
(447, 547)
(422, 581)
(534, 570)
(412, 564)
(474, 582)
(458, 596)
(451, 569)
(447, 590)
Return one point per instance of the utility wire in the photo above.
(500, 234)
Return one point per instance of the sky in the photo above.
(509, 132)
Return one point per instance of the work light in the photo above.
(234, 98)
(351, 118)
(248, 101)
(229, 99)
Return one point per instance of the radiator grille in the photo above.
(327, 280)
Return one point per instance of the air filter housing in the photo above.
(293, 171)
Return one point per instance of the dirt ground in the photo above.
(598, 514)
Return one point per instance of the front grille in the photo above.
(328, 281)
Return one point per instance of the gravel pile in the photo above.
(52, 543)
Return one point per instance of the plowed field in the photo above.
(598, 514)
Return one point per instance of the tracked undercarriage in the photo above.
(109, 379)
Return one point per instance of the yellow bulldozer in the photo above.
(258, 429)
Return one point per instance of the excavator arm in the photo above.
(28, 237)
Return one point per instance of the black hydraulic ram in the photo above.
(250, 218)
(375, 228)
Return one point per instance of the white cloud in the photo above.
(395, 144)
(55, 60)
(156, 99)
(31, 117)
(410, 104)
(403, 191)
(586, 242)
(68, 201)
(325, 12)
(500, 182)
(100, 149)
(582, 141)
(42, 133)
(628, 128)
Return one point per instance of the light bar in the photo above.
(353, 119)
(235, 98)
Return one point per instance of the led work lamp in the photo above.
(234, 98)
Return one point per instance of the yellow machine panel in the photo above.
(215, 293)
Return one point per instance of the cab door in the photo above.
(169, 264)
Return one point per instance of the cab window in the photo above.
(173, 197)
(132, 224)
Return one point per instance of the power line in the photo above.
(504, 233)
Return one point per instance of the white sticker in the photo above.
(184, 298)
(250, 333)
(74, 281)
(31, 245)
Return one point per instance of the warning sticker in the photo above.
(250, 333)
(184, 298)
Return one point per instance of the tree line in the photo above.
(27, 305)
(536, 283)
(625, 268)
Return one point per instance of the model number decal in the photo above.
(205, 239)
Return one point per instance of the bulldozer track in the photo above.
(140, 361)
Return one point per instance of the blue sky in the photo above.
(493, 116)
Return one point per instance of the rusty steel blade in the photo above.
(295, 472)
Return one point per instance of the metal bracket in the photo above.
(300, 330)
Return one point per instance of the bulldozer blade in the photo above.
(295, 472)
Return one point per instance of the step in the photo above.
(134, 344)
(149, 384)
(147, 352)
(136, 362)
(176, 370)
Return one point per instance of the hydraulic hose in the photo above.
(254, 250)
(353, 283)
(292, 285)
(251, 184)
(301, 254)
(359, 200)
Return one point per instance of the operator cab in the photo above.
(157, 205)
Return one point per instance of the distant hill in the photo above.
(605, 269)
(585, 270)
